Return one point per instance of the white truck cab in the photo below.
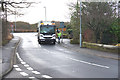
(46, 32)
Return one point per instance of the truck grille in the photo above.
(47, 37)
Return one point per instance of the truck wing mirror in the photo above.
(37, 29)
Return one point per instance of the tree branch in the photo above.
(21, 5)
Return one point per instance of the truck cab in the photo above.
(46, 32)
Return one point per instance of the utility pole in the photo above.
(80, 26)
(45, 14)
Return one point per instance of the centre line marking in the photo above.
(46, 76)
(49, 52)
(61, 49)
(88, 63)
(31, 77)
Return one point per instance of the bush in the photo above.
(108, 38)
(9, 37)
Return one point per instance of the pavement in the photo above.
(76, 47)
(8, 53)
(7, 58)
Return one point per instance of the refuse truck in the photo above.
(46, 32)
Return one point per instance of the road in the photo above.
(54, 61)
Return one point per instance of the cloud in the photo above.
(55, 9)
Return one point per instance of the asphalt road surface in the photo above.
(36, 61)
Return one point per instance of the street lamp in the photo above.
(45, 14)
(80, 25)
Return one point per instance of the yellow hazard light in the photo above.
(53, 23)
(42, 23)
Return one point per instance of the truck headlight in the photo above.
(54, 35)
(41, 35)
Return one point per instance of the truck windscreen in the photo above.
(47, 29)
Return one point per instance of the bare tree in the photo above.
(98, 17)
(8, 8)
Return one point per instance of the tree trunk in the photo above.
(101, 34)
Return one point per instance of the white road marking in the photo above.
(29, 68)
(15, 66)
(88, 63)
(46, 76)
(47, 51)
(31, 77)
(60, 66)
(18, 69)
(61, 49)
(23, 74)
(23, 62)
(65, 43)
(19, 57)
(67, 51)
(7, 48)
(36, 72)
(26, 65)
(12, 47)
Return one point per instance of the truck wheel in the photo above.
(54, 43)
(39, 41)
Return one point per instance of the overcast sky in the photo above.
(57, 10)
